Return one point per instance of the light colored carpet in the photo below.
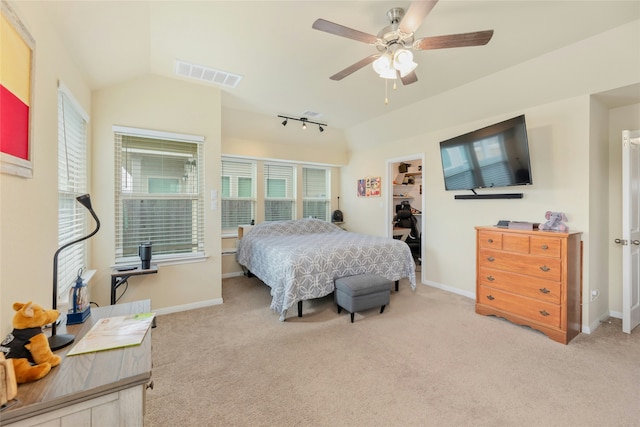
(428, 360)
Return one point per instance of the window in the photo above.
(238, 193)
(266, 190)
(315, 194)
(73, 218)
(159, 194)
(279, 197)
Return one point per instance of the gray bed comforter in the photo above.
(300, 259)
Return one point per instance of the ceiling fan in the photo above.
(395, 42)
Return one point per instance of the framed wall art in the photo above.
(369, 187)
(16, 94)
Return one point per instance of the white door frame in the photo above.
(630, 230)
(389, 199)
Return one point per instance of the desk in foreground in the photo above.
(94, 389)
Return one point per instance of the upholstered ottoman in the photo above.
(362, 292)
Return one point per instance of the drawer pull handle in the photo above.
(490, 240)
(490, 297)
(491, 278)
(544, 313)
(545, 268)
(544, 290)
(491, 259)
(545, 247)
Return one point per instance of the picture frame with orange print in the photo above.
(17, 71)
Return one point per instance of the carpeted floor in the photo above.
(428, 360)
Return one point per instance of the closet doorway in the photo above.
(405, 193)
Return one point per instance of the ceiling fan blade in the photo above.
(418, 10)
(477, 38)
(409, 78)
(341, 30)
(355, 67)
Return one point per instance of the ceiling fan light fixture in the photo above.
(382, 66)
(403, 62)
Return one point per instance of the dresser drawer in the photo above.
(540, 289)
(515, 243)
(536, 266)
(490, 240)
(546, 246)
(538, 311)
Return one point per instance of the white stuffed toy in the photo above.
(554, 222)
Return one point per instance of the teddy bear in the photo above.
(554, 222)
(27, 345)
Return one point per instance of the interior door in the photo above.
(630, 230)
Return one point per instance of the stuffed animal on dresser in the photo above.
(27, 345)
(554, 222)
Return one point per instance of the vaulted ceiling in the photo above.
(285, 64)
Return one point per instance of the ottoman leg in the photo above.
(397, 285)
(382, 309)
(339, 309)
(351, 317)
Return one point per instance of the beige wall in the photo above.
(569, 158)
(28, 207)
(170, 105)
(553, 91)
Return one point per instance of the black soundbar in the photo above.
(489, 196)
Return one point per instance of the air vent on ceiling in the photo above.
(206, 74)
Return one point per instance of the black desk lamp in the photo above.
(57, 342)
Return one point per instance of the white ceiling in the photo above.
(286, 64)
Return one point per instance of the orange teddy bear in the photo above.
(27, 345)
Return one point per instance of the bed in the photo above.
(300, 259)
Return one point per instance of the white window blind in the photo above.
(159, 195)
(315, 193)
(73, 218)
(279, 187)
(238, 192)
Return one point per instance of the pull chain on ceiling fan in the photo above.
(396, 41)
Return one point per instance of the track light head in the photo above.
(284, 122)
(320, 128)
(304, 126)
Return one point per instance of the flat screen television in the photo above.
(494, 156)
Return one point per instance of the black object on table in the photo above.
(120, 275)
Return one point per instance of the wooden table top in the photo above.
(86, 376)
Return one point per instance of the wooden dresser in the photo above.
(531, 278)
(106, 388)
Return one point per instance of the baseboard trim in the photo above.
(453, 290)
(187, 307)
(234, 274)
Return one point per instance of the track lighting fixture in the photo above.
(304, 121)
